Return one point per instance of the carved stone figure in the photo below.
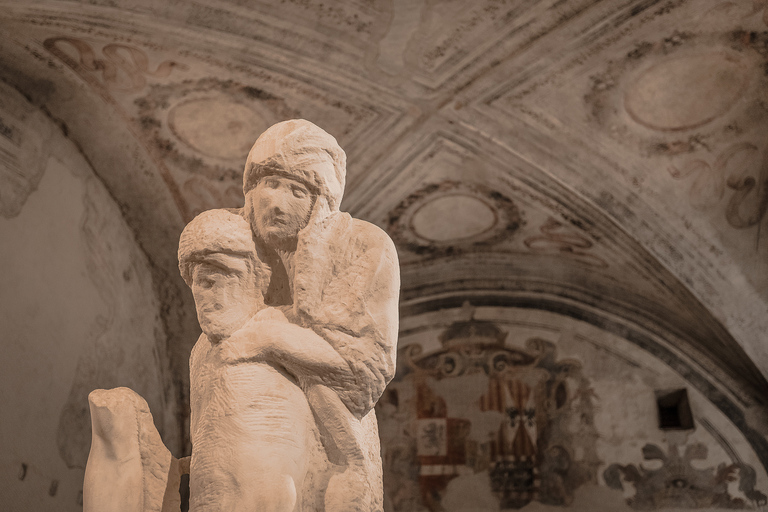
(250, 422)
(298, 306)
(129, 469)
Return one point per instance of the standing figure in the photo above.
(251, 427)
(297, 345)
(342, 281)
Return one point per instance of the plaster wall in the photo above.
(77, 312)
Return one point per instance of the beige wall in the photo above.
(77, 312)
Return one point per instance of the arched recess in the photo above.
(79, 311)
(153, 210)
(504, 400)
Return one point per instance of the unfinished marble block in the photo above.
(129, 468)
(298, 306)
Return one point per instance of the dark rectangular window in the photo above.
(674, 409)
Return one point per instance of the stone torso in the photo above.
(251, 428)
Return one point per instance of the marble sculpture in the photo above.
(297, 302)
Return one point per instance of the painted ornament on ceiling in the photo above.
(452, 217)
(680, 94)
(202, 130)
(696, 100)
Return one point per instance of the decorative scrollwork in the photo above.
(123, 69)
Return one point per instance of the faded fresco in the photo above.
(539, 413)
(505, 421)
(678, 483)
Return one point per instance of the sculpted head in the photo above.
(218, 261)
(292, 166)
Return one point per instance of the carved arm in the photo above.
(300, 350)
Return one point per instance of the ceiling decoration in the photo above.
(203, 129)
(672, 95)
(216, 127)
(452, 216)
(669, 95)
(610, 154)
(426, 221)
(700, 169)
(556, 238)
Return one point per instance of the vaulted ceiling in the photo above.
(605, 160)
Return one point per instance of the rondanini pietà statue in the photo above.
(298, 306)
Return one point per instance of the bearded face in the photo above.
(227, 294)
(279, 207)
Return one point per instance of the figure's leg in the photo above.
(349, 490)
(276, 493)
(270, 482)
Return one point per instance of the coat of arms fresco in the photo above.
(508, 415)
